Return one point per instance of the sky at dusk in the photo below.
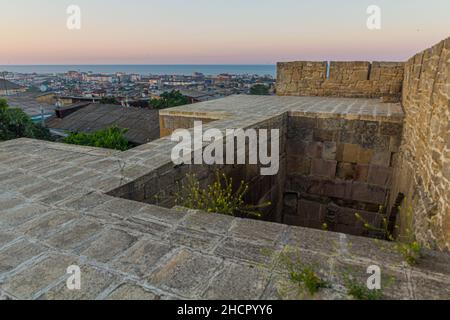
(217, 31)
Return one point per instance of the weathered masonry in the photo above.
(341, 79)
(343, 150)
(336, 158)
(421, 166)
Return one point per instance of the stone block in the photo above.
(162, 214)
(73, 235)
(381, 159)
(237, 282)
(22, 214)
(311, 210)
(337, 189)
(48, 224)
(346, 171)
(148, 226)
(362, 172)
(380, 176)
(87, 202)
(185, 273)
(391, 128)
(214, 223)
(323, 242)
(325, 135)
(347, 152)
(323, 168)
(108, 245)
(95, 282)
(237, 249)
(6, 237)
(329, 150)
(19, 252)
(298, 165)
(314, 150)
(26, 284)
(368, 193)
(9, 203)
(429, 288)
(131, 292)
(194, 239)
(143, 257)
(365, 156)
(260, 231)
(121, 207)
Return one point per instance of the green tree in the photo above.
(109, 100)
(14, 123)
(170, 99)
(260, 90)
(110, 138)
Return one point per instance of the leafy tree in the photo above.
(110, 138)
(170, 99)
(259, 89)
(14, 123)
(109, 100)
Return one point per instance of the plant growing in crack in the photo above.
(406, 245)
(360, 291)
(218, 197)
(300, 279)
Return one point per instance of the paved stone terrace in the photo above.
(54, 212)
(241, 110)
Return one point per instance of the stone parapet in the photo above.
(354, 79)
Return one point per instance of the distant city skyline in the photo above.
(204, 32)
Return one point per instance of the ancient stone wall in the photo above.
(161, 186)
(423, 169)
(341, 79)
(336, 168)
(168, 124)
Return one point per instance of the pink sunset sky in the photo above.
(216, 31)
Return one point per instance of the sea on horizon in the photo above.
(210, 70)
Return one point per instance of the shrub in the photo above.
(110, 138)
(406, 245)
(14, 123)
(301, 276)
(169, 100)
(360, 291)
(259, 89)
(218, 197)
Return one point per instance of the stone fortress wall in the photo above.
(423, 168)
(341, 79)
(336, 168)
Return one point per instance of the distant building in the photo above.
(63, 101)
(142, 124)
(31, 104)
(98, 77)
(195, 96)
(10, 88)
(48, 98)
